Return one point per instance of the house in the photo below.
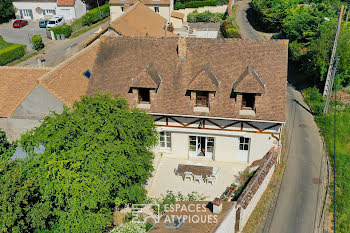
(138, 20)
(28, 94)
(40, 9)
(212, 99)
(161, 7)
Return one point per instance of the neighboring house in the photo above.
(211, 99)
(161, 7)
(27, 95)
(40, 9)
(138, 20)
(177, 19)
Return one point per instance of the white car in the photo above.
(55, 21)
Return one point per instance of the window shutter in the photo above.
(21, 13)
(31, 14)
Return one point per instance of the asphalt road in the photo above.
(21, 35)
(296, 205)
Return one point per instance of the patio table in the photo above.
(195, 169)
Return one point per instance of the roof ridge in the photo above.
(27, 67)
(123, 15)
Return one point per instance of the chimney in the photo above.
(181, 48)
(217, 206)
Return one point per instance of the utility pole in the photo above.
(328, 87)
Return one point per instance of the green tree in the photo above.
(96, 156)
(7, 11)
(6, 148)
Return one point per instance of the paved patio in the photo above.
(164, 178)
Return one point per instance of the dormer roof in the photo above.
(147, 78)
(206, 80)
(249, 82)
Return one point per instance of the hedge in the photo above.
(11, 53)
(66, 30)
(195, 4)
(37, 42)
(228, 30)
(205, 16)
(93, 15)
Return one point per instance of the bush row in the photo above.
(11, 53)
(66, 30)
(94, 16)
(37, 42)
(196, 4)
(205, 16)
(228, 30)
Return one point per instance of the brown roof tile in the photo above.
(146, 2)
(205, 80)
(228, 58)
(15, 84)
(65, 2)
(147, 78)
(139, 20)
(249, 82)
(67, 81)
(177, 14)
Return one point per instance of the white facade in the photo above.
(239, 143)
(41, 10)
(163, 10)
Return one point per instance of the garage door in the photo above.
(66, 14)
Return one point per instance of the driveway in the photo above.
(21, 35)
(296, 205)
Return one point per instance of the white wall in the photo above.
(164, 10)
(177, 23)
(32, 6)
(226, 143)
(67, 12)
(14, 128)
(80, 9)
(115, 12)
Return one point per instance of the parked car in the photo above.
(55, 21)
(19, 23)
(43, 23)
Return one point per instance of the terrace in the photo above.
(164, 177)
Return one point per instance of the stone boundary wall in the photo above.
(212, 9)
(251, 194)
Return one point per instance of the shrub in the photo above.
(232, 33)
(179, 5)
(206, 16)
(315, 99)
(94, 16)
(66, 30)
(37, 42)
(196, 4)
(11, 53)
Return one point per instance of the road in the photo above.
(296, 205)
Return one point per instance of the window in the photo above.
(193, 143)
(144, 96)
(50, 12)
(59, 20)
(248, 101)
(27, 13)
(156, 9)
(244, 143)
(122, 8)
(87, 74)
(165, 140)
(210, 144)
(202, 99)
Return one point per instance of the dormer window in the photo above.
(202, 99)
(144, 96)
(248, 101)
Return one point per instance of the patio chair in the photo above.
(210, 179)
(199, 178)
(188, 175)
(215, 172)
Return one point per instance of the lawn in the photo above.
(4, 44)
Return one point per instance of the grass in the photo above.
(88, 28)
(4, 44)
(24, 58)
(326, 124)
(77, 24)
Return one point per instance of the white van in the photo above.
(55, 21)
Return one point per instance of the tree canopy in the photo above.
(7, 10)
(96, 156)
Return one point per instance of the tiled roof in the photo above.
(228, 58)
(139, 20)
(177, 14)
(15, 84)
(205, 80)
(147, 78)
(193, 210)
(65, 2)
(146, 2)
(67, 81)
(249, 82)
